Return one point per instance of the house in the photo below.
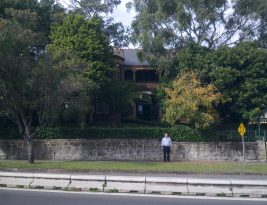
(261, 119)
(130, 68)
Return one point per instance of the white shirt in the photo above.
(166, 141)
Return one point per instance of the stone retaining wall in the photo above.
(131, 150)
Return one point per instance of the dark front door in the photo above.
(143, 111)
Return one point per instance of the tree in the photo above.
(189, 100)
(29, 82)
(95, 8)
(238, 72)
(28, 87)
(256, 10)
(118, 35)
(162, 28)
(119, 96)
(50, 93)
(47, 12)
(79, 95)
(81, 48)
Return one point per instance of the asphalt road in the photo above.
(22, 197)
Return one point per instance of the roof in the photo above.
(131, 59)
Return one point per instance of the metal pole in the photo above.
(265, 144)
(259, 127)
(243, 143)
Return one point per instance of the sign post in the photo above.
(242, 130)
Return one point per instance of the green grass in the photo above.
(156, 167)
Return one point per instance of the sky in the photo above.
(120, 13)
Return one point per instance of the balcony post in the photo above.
(134, 78)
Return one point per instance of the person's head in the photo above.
(166, 134)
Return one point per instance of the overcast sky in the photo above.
(120, 13)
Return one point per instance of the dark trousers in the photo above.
(166, 153)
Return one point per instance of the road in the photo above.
(26, 197)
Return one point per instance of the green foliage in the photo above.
(28, 87)
(244, 81)
(81, 48)
(9, 133)
(93, 8)
(256, 9)
(180, 133)
(26, 81)
(183, 134)
(239, 73)
(47, 11)
(16, 69)
(48, 133)
(119, 95)
(117, 34)
(163, 28)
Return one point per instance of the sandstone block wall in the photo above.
(131, 150)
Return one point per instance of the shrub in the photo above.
(48, 133)
(177, 134)
(9, 133)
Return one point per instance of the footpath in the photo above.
(191, 185)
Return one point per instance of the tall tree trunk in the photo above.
(29, 142)
(25, 131)
(30, 151)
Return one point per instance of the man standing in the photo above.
(166, 143)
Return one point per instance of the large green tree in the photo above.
(47, 12)
(28, 81)
(162, 28)
(256, 10)
(117, 33)
(238, 72)
(29, 87)
(93, 8)
(82, 49)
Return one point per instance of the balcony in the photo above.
(141, 76)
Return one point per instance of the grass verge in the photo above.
(156, 167)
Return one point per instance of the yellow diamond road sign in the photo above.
(241, 129)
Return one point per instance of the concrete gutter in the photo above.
(136, 184)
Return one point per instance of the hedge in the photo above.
(9, 133)
(177, 134)
(181, 133)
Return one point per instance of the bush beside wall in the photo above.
(181, 133)
(178, 133)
